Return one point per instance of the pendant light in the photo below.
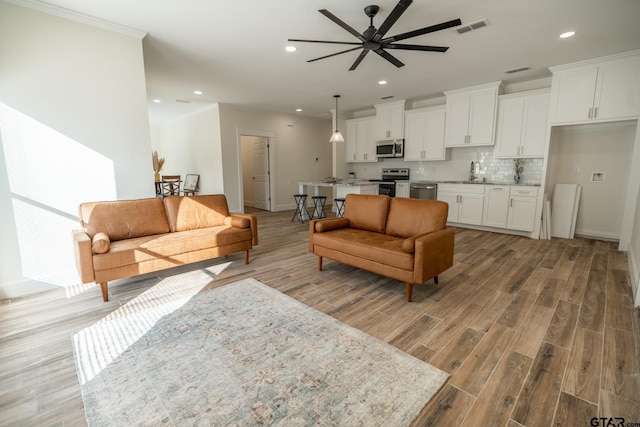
(337, 136)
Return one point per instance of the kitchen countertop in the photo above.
(338, 183)
(523, 184)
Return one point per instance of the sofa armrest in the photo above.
(325, 224)
(254, 225)
(433, 254)
(83, 255)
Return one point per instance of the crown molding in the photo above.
(79, 17)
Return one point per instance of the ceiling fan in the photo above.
(372, 39)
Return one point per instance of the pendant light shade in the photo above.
(337, 136)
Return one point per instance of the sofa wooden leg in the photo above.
(246, 256)
(435, 279)
(105, 291)
(409, 290)
(319, 263)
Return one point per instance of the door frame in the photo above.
(271, 136)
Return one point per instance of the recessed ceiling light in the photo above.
(157, 101)
(290, 48)
(197, 92)
(382, 82)
(298, 109)
(567, 34)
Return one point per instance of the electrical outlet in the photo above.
(576, 170)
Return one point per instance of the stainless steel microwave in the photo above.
(392, 148)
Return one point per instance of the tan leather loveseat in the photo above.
(400, 238)
(125, 238)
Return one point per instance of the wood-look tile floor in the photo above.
(533, 332)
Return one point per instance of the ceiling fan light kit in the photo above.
(373, 39)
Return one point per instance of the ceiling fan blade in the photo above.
(359, 59)
(338, 21)
(334, 54)
(392, 18)
(416, 47)
(389, 57)
(425, 30)
(324, 41)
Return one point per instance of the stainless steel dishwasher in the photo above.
(423, 190)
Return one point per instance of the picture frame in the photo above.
(191, 183)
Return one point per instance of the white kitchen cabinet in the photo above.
(522, 208)
(390, 120)
(402, 189)
(522, 125)
(360, 140)
(471, 116)
(596, 90)
(496, 206)
(465, 202)
(424, 134)
(343, 190)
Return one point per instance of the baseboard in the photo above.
(23, 288)
(597, 235)
(634, 274)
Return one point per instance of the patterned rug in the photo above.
(244, 354)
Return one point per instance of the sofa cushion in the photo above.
(192, 212)
(367, 212)
(369, 245)
(330, 224)
(122, 219)
(141, 249)
(411, 217)
(100, 243)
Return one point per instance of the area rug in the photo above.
(245, 354)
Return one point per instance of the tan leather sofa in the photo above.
(404, 239)
(125, 238)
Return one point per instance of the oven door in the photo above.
(387, 188)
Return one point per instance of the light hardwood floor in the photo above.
(533, 332)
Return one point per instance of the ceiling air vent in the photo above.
(517, 70)
(386, 97)
(184, 101)
(472, 26)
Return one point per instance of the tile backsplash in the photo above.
(458, 166)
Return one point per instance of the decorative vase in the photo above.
(156, 176)
(516, 178)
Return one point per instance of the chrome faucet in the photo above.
(472, 173)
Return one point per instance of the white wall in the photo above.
(577, 151)
(298, 141)
(80, 92)
(191, 145)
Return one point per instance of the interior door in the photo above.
(261, 173)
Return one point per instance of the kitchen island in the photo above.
(343, 187)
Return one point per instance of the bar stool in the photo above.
(318, 206)
(339, 206)
(301, 207)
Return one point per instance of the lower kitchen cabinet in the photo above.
(522, 208)
(510, 207)
(465, 202)
(402, 189)
(496, 206)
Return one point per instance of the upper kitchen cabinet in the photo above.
(522, 124)
(471, 115)
(390, 120)
(424, 134)
(360, 140)
(597, 90)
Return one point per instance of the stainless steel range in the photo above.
(389, 177)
